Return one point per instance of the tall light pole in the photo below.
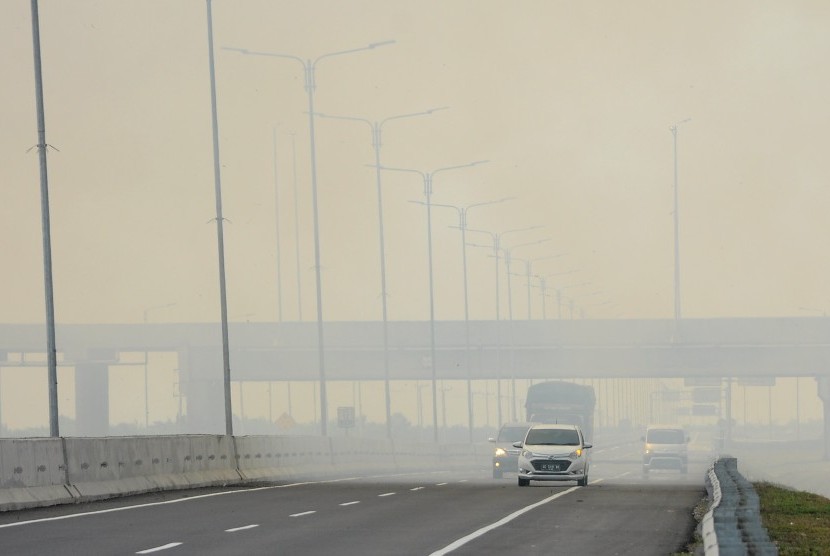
(377, 131)
(146, 388)
(559, 298)
(543, 287)
(51, 350)
(296, 232)
(220, 234)
(529, 275)
(507, 260)
(428, 177)
(496, 238)
(677, 314)
(462, 225)
(277, 230)
(309, 67)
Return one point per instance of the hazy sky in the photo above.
(571, 102)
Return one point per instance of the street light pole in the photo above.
(496, 247)
(51, 350)
(277, 229)
(462, 225)
(377, 130)
(296, 229)
(677, 315)
(428, 178)
(220, 234)
(544, 288)
(309, 67)
(529, 275)
(507, 260)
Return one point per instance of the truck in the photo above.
(562, 402)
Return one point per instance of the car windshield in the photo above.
(553, 437)
(512, 434)
(665, 436)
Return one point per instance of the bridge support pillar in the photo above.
(92, 402)
(824, 394)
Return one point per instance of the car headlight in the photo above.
(500, 452)
(576, 453)
(526, 454)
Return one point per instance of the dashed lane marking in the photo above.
(386, 494)
(159, 548)
(303, 513)
(235, 529)
(350, 503)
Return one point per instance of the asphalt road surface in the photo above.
(619, 513)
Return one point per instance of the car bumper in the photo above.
(665, 462)
(549, 476)
(573, 473)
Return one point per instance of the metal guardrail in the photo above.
(732, 526)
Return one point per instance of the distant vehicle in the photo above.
(553, 453)
(505, 455)
(665, 448)
(562, 402)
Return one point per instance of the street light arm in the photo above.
(341, 52)
(458, 209)
(483, 203)
(352, 118)
(410, 115)
(677, 124)
(410, 170)
(477, 162)
(540, 258)
(492, 235)
(270, 54)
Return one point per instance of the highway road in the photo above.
(419, 514)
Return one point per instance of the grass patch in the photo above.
(797, 522)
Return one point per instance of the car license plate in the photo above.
(552, 466)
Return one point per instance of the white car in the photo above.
(665, 448)
(553, 453)
(505, 455)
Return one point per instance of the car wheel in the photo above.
(523, 482)
(497, 474)
(583, 482)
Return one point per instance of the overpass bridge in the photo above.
(521, 349)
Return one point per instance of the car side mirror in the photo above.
(517, 444)
(586, 446)
(491, 439)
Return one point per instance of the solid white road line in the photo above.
(158, 548)
(235, 529)
(303, 513)
(350, 503)
(475, 534)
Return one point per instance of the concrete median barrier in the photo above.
(42, 472)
